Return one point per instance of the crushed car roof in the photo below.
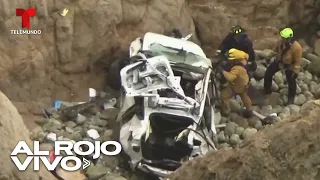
(177, 50)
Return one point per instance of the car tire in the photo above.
(114, 77)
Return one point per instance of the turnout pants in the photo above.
(272, 69)
(226, 96)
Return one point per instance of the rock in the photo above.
(69, 130)
(284, 91)
(230, 128)
(317, 95)
(217, 118)
(305, 63)
(256, 108)
(95, 171)
(283, 115)
(266, 110)
(99, 129)
(301, 76)
(305, 47)
(280, 102)
(99, 122)
(277, 109)
(298, 91)
(240, 121)
(41, 121)
(76, 136)
(225, 146)
(258, 125)
(253, 83)
(260, 71)
(52, 137)
(312, 57)
(308, 77)
(300, 99)
(281, 86)
(294, 109)
(284, 98)
(304, 87)
(308, 95)
(313, 86)
(249, 132)
(278, 78)
(253, 120)
(221, 137)
(70, 174)
(70, 124)
(80, 119)
(239, 130)
(41, 136)
(227, 139)
(93, 133)
(235, 139)
(224, 120)
(109, 114)
(52, 126)
(234, 116)
(259, 85)
(71, 114)
(107, 135)
(274, 86)
(36, 131)
(51, 111)
(94, 110)
(273, 99)
(313, 67)
(267, 53)
(114, 177)
(235, 106)
(317, 47)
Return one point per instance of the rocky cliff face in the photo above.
(69, 55)
(12, 130)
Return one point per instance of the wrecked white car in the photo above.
(166, 112)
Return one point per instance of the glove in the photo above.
(218, 52)
(294, 75)
(252, 66)
(223, 63)
(246, 113)
(219, 69)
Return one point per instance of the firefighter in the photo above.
(238, 81)
(289, 57)
(239, 39)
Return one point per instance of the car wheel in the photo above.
(114, 78)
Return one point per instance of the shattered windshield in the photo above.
(180, 56)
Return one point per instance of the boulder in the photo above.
(317, 47)
(13, 130)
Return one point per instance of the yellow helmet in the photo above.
(235, 54)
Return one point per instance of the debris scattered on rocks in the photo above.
(75, 121)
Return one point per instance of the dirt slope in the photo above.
(12, 130)
(289, 150)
